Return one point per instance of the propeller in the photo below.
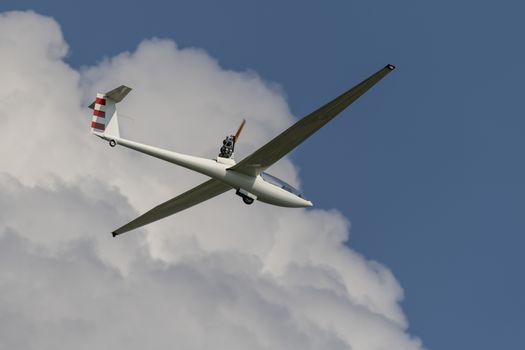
(229, 142)
(238, 133)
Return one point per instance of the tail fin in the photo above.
(105, 120)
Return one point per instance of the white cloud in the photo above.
(221, 275)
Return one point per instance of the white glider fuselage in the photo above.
(256, 186)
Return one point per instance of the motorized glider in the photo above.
(247, 177)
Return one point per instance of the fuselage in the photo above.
(264, 191)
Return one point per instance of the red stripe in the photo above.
(99, 113)
(98, 126)
(100, 101)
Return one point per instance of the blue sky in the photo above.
(428, 166)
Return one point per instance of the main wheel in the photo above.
(247, 200)
(112, 143)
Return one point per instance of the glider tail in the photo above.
(105, 120)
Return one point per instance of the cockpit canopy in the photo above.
(280, 183)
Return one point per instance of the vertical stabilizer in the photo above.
(105, 120)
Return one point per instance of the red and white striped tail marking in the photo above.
(98, 122)
(104, 122)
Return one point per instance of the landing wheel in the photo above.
(112, 143)
(247, 200)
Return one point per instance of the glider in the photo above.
(247, 177)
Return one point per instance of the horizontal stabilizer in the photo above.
(116, 94)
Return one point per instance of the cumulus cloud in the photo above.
(221, 275)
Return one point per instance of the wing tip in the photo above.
(390, 66)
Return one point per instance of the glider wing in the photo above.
(281, 145)
(196, 195)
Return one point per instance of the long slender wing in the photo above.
(277, 148)
(196, 195)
